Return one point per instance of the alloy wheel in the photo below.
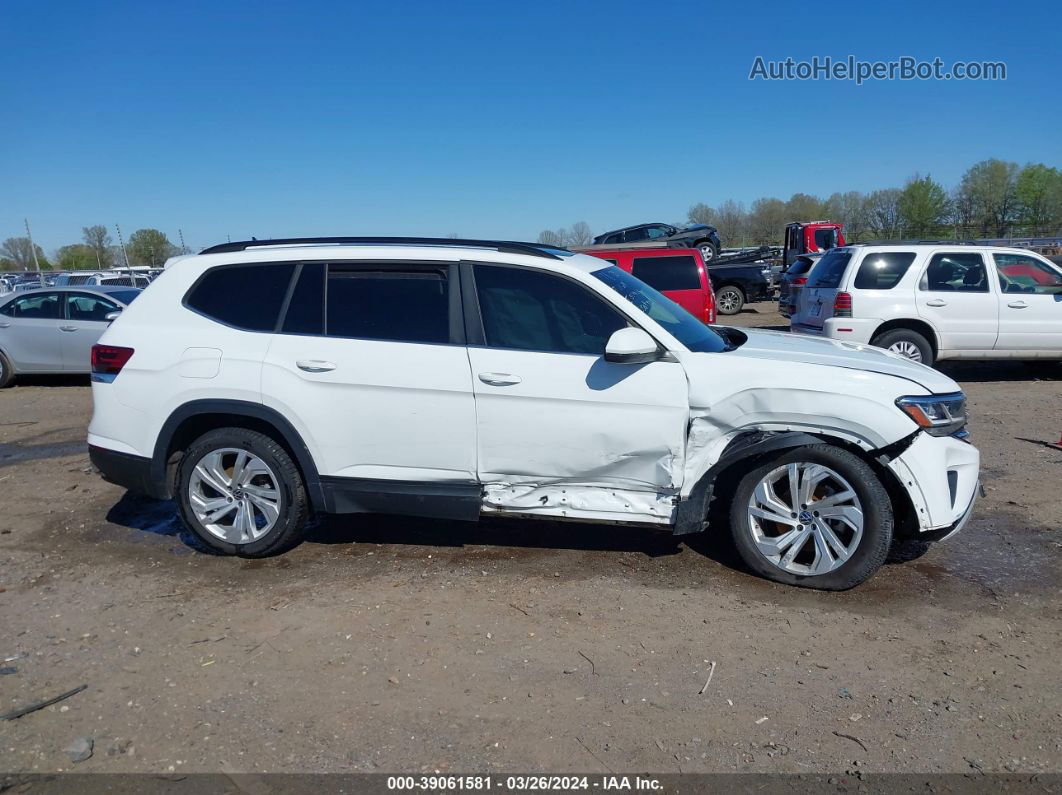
(234, 495)
(707, 253)
(906, 349)
(728, 301)
(805, 518)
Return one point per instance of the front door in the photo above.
(370, 363)
(551, 412)
(1030, 306)
(955, 296)
(85, 322)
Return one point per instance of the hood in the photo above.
(782, 346)
(694, 227)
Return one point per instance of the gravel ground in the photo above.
(386, 644)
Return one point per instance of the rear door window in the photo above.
(668, 273)
(247, 297)
(829, 270)
(955, 272)
(384, 303)
(635, 235)
(882, 270)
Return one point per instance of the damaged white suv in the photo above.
(260, 383)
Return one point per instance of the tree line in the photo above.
(95, 251)
(994, 198)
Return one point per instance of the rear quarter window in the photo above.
(883, 270)
(667, 273)
(829, 270)
(248, 297)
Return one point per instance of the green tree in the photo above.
(149, 247)
(97, 238)
(991, 189)
(701, 213)
(923, 206)
(77, 256)
(804, 207)
(19, 252)
(848, 209)
(767, 220)
(1038, 189)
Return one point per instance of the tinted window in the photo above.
(616, 238)
(40, 306)
(84, 306)
(245, 296)
(683, 326)
(535, 311)
(825, 238)
(882, 271)
(387, 304)
(958, 272)
(829, 270)
(125, 296)
(634, 235)
(668, 273)
(1022, 274)
(306, 309)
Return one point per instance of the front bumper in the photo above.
(941, 476)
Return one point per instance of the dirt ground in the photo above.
(387, 644)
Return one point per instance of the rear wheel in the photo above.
(241, 494)
(7, 372)
(816, 517)
(909, 344)
(730, 300)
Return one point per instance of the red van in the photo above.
(678, 273)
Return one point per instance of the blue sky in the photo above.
(488, 119)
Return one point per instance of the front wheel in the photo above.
(815, 517)
(241, 494)
(709, 251)
(729, 300)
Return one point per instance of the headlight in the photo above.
(937, 415)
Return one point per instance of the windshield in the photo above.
(677, 321)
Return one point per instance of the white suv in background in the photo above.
(936, 301)
(258, 383)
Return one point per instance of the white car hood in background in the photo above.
(779, 346)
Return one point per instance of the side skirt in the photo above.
(403, 498)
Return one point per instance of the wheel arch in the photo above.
(750, 448)
(191, 420)
(910, 324)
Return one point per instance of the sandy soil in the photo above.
(387, 644)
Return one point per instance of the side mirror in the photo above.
(631, 346)
(110, 317)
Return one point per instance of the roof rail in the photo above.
(916, 243)
(505, 246)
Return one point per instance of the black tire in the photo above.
(873, 546)
(7, 372)
(709, 250)
(294, 505)
(729, 300)
(906, 336)
(904, 550)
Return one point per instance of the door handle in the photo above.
(1017, 304)
(68, 328)
(937, 302)
(315, 365)
(499, 379)
(5, 325)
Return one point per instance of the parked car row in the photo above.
(117, 277)
(931, 302)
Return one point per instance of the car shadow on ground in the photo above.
(52, 380)
(995, 370)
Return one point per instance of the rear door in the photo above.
(1030, 306)
(679, 277)
(29, 332)
(84, 323)
(370, 361)
(815, 300)
(956, 297)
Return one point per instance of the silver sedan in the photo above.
(52, 330)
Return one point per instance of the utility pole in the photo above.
(125, 254)
(33, 248)
(180, 234)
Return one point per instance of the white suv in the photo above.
(260, 383)
(937, 301)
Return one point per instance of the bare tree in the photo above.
(580, 234)
(883, 213)
(991, 185)
(99, 240)
(732, 222)
(767, 220)
(701, 214)
(549, 237)
(19, 252)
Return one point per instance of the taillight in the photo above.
(108, 361)
(842, 305)
(800, 281)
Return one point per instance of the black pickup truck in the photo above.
(739, 284)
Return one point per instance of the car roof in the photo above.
(929, 245)
(265, 252)
(633, 226)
